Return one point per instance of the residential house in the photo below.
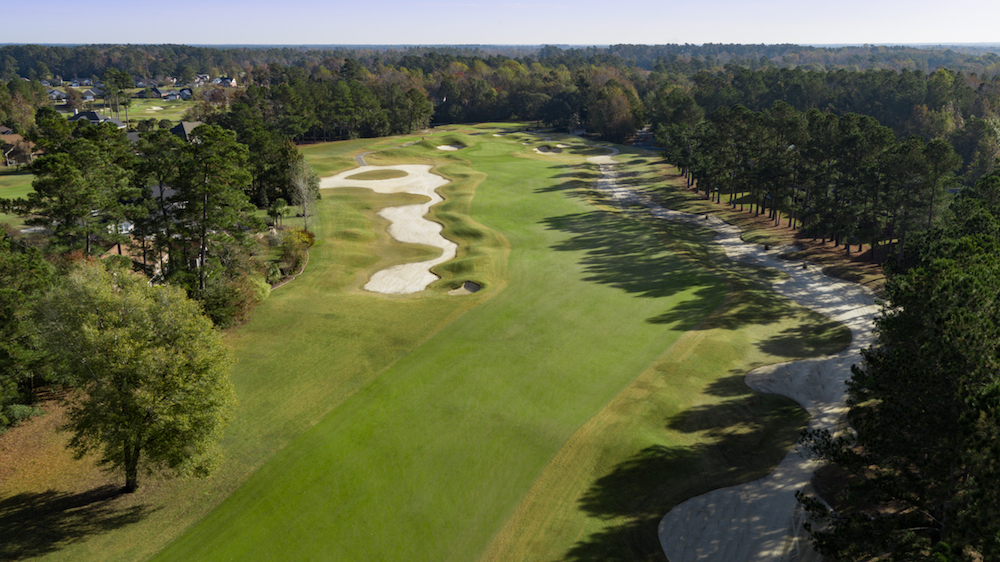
(16, 150)
(56, 95)
(96, 118)
(183, 130)
(185, 93)
(224, 81)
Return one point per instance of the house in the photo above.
(185, 93)
(96, 118)
(184, 129)
(201, 79)
(150, 93)
(92, 94)
(56, 95)
(224, 81)
(87, 82)
(171, 96)
(6, 131)
(46, 83)
(15, 150)
(75, 84)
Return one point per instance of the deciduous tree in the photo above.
(151, 373)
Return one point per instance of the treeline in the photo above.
(920, 460)
(353, 103)
(181, 61)
(846, 178)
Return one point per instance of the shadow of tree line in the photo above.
(745, 434)
(37, 523)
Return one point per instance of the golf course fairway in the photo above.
(602, 361)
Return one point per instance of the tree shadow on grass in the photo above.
(747, 434)
(35, 524)
(626, 254)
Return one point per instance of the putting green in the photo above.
(430, 458)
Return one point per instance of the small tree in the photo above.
(278, 210)
(305, 189)
(151, 373)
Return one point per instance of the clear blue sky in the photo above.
(507, 22)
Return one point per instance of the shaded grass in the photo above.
(669, 188)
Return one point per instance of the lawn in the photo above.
(595, 382)
(14, 185)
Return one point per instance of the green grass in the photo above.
(429, 460)
(379, 175)
(14, 185)
(431, 427)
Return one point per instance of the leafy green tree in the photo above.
(151, 373)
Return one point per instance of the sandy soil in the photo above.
(154, 108)
(407, 224)
(547, 150)
(761, 520)
(450, 147)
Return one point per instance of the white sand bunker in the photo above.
(497, 134)
(406, 224)
(154, 108)
(450, 147)
(548, 150)
(562, 146)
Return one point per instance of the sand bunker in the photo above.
(467, 288)
(562, 146)
(761, 520)
(497, 134)
(450, 147)
(548, 150)
(154, 108)
(406, 224)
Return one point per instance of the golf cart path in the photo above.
(406, 223)
(761, 520)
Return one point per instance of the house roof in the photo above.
(6, 130)
(184, 129)
(95, 118)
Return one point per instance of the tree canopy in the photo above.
(150, 373)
